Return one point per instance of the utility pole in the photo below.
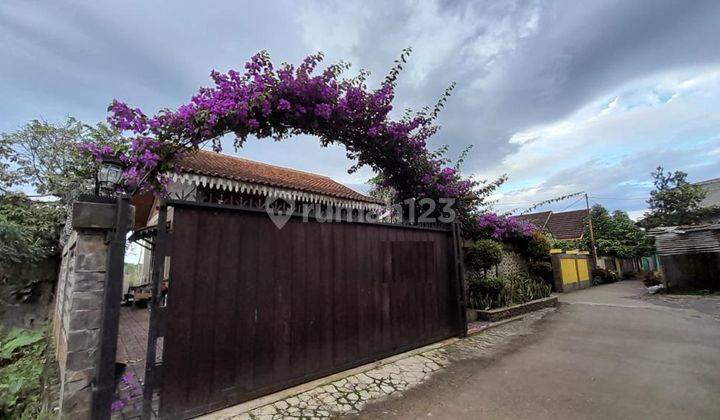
(592, 234)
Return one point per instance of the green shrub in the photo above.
(541, 270)
(483, 255)
(536, 247)
(22, 355)
(483, 292)
(603, 276)
(491, 293)
(521, 288)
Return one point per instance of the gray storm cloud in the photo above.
(517, 64)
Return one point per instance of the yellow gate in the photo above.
(582, 268)
(571, 270)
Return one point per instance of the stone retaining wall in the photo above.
(512, 264)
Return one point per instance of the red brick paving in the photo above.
(132, 341)
(131, 350)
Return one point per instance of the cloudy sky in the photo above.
(563, 96)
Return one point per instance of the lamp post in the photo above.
(108, 179)
(109, 175)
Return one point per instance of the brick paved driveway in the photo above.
(131, 350)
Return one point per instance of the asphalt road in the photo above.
(606, 353)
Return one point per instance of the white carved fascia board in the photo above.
(194, 180)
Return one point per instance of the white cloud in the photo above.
(636, 121)
(636, 214)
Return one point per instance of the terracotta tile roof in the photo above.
(562, 225)
(567, 224)
(537, 219)
(231, 167)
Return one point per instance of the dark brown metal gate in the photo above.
(252, 309)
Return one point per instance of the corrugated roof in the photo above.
(679, 240)
(712, 191)
(231, 167)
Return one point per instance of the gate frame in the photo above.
(156, 329)
(156, 326)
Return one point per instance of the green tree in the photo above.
(16, 244)
(8, 176)
(45, 157)
(617, 235)
(29, 232)
(38, 222)
(635, 242)
(674, 201)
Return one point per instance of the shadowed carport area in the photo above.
(132, 341)
(608, 352)
(131, 350)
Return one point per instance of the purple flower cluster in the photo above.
(128, 392)
(278, 103)
(503, 227)
(96, 151)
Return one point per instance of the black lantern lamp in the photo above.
(109, 175)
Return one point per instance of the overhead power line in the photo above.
(512, 203)
(572, 204)
(618, 198)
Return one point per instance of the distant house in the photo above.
(712, 188)
(690, 255)
(712, 199)
(571, 225)
(565, 225)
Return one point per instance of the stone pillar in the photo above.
(78, 307)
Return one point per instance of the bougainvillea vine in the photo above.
(270, 102)
(491, 225)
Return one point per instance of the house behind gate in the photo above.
(210, 177)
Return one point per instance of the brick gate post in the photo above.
(78, 304)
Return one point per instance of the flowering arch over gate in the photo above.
(279, 103)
